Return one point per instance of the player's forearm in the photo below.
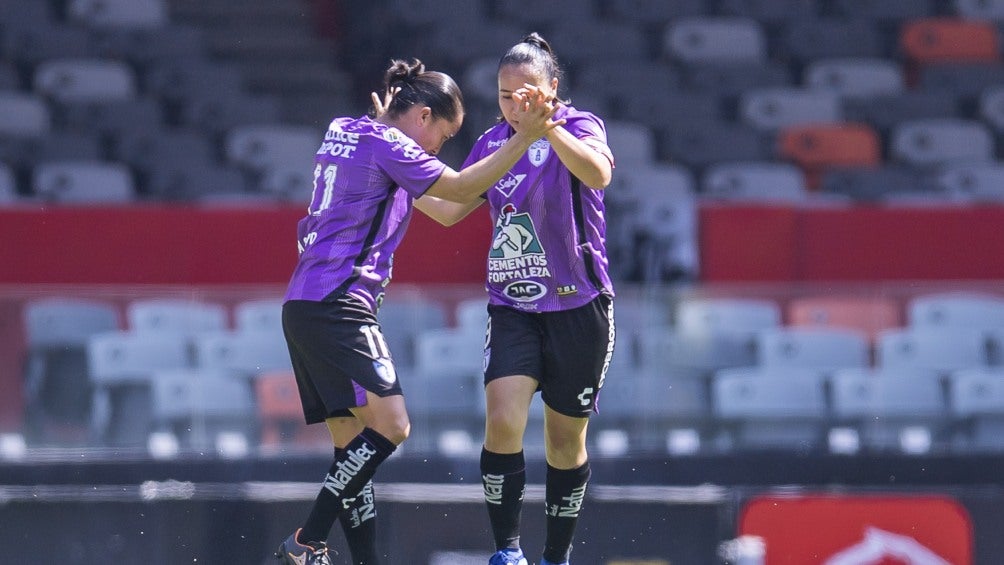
(443, 211)
(468, 185)
(587, 164)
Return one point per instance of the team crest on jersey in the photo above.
(515, 235)
(539, 151)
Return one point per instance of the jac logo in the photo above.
(525, 291)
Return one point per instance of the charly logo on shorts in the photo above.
(539, 151)
(524, 291)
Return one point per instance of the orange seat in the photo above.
(869, 315)
(949, 40)
(281, 414)
(819, 147)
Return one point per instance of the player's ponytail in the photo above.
(434, 89)
(535, 51)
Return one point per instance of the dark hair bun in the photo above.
(537, 41)
(403, 71)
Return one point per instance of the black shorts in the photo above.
(338, 353)
(568, 352)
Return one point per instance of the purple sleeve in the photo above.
(407, 164)
(590, 129)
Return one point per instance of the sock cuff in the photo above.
(580, 473)
(502, 463)
(383, 445)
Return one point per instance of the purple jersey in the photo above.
(366, 176)
(548, 248)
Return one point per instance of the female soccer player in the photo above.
(367, 173)
(550, 301)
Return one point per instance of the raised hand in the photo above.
(535, 112)
(380, 106)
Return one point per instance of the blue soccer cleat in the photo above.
(508, 557)
(292, 552)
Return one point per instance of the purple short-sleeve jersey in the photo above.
(366, 177)
(548, 249)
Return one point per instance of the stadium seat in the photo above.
(823, 349)
(884, 12)
(652, 12)
(769, 12)
(9, 79)
(762, 408)
(187, 80)
(856, 77)
(471, 314)
(146, 149)
(677, 353)
(976, 310)
(705, 40)
(456, 350)
(8, 186)
(992, 10)
(991, 108)
(175, 316)
(479, 41)
(928, 348)
(527, 12)
(755, 181)
(772, 109)
(614, 80)
(995, 346)
(443, 401)
(83, 182)
(84, 80)
(183, 182)
(729, 80)
(976, 401)
(280, 415)
(198, 404)
(402, 318)
(632, 143)
(638, 312)
(804, 41)
(977, 182)
(121, 366)
(867, 315)
(244, 354)
(258, 315)
(118, 13)
(220, 115)
(818, 148)
(872, 184)
(670, 110)
(939, 40)
(891, 410)
(23, 115)
(926, 143)
(886, 111)
(150, 47)
(114, 117)
(434, 13)
(33, 45)
(703, 316)
(710, 142)
(630, 41)
(666, 223)
(57, 388)
(265, 146)
(964, 81)
(25, 13)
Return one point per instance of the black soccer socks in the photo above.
(564, 493)
(359, 524)
(352, 468)
(504, 479)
